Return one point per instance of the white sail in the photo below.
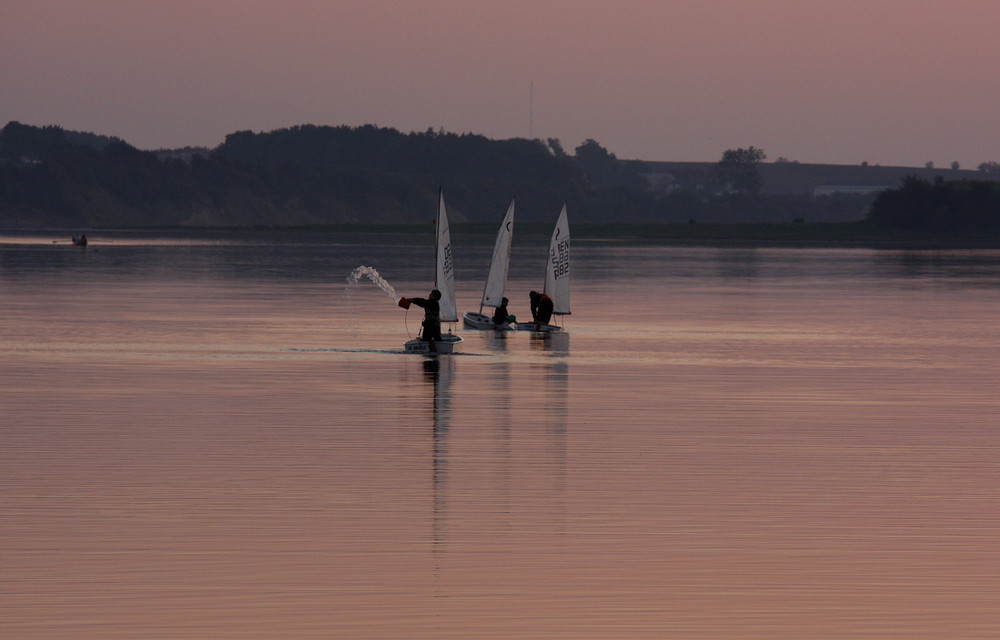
(557, 273)
(444, 276)
(496, 281)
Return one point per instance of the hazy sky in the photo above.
(891, 82)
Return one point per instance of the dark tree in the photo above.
(603, 169)
(600, 166)
(556, 147)
(737, 170)
(946, 208)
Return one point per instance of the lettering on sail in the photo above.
(447, 267)
(559, 257)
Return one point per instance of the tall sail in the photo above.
(444, 276)
(557, 271)
(496, 281)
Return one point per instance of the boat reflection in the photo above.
(553, 384)
(499, 433)
(556, 342)
(438, 372)
(498, 340)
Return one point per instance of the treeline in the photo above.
(966, 208)
(298, 176)
(318, 175)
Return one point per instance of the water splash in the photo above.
(373, 275)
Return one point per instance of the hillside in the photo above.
(312, 175)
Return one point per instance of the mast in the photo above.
(437, 238)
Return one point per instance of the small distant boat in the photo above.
(496, 281)
(80, 241)
(444, 281)
(556, 277)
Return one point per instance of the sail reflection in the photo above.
(438, 372)
(498, 458)
(554, 385)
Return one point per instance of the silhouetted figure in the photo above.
(501, 315)
(432, 314)
(541, 307)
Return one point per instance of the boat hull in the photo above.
(474, 320)
(537, 327)
(448, 344)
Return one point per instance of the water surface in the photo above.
(213, 436)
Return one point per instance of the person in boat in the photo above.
(432, 314)
(541, 307)
(501, 316)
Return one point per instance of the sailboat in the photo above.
(496, 281)
(444, 281)
(556, 276)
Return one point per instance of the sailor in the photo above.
(541, 307)
(501, 315)
(432, 314)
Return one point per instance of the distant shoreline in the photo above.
(860, 234)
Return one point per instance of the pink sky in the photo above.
(891, 82)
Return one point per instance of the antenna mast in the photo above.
(531, 111)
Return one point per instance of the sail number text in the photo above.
(560, 259)
(446, 266)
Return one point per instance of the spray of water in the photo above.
(373, 275)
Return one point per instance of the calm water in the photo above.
(214, 437)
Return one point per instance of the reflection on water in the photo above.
(970, 267)
(441, 384)
(480, 469)
(738, 264)
(208, 439)
(554, 342)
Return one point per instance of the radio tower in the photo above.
(531, 111)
